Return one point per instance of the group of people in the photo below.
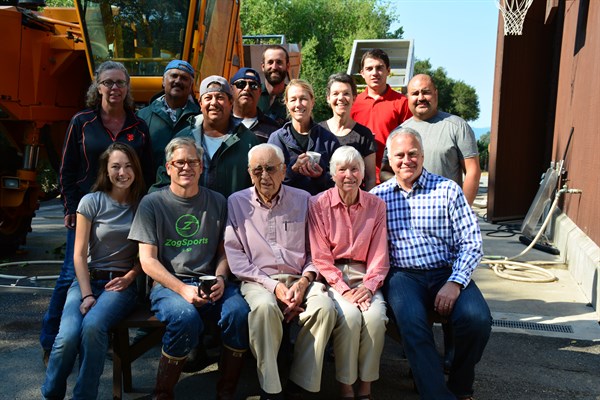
(294, 218)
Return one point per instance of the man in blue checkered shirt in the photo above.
(434, 244)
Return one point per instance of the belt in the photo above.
(103, 275)
(347, 261)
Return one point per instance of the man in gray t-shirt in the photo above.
(449, 142)
(180, 233)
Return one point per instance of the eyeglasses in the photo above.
(109, 83)
(180, 164)
(242, 84)
(270, 169)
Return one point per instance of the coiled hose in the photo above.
(508, 268)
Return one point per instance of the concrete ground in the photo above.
(545, 343)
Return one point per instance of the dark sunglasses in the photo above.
(242, 84)
(269, 169)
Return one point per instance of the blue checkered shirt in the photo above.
(431, 226)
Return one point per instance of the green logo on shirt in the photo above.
(187, 225)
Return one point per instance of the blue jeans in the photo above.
(51, 320)
(86, 335)
(184, 320)
(410, 295)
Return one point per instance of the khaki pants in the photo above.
(266, 331)
(358, 336)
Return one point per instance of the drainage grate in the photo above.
(532, 326)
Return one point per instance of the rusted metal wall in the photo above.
(524, 99)
(547, 82)
(578, 106)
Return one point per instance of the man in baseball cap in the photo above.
(225, 140)
(169, 113)
(246, 93)
(215, 84)
(180, 65)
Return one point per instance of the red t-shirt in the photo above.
(381, 116)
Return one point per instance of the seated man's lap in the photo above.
(256, 295)
(409, 297)
(231, 313)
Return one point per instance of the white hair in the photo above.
(266, 146)
(403, 131)
(343, 156)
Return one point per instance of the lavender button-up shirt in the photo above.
(262, 241)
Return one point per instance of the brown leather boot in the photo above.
(169, 369)
(230, 366)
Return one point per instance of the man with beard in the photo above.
(379, 107)
(169, 113)
(449, 142)
(246, 92)
(275, 64)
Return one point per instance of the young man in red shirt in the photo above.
(379, 107)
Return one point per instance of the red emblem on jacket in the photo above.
(130, 137)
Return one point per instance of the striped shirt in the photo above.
(431, 226)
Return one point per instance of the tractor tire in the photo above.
(13, 232)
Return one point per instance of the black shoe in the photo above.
(270, 396)
(295, 392)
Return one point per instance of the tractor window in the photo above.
(142, 34)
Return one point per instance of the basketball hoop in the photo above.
(513, 13)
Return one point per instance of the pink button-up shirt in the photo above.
(357, 232)
(262, 241)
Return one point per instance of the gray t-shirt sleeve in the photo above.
(143, 228)
(88, 207)
(465, 139)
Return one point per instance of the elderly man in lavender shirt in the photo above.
(267, 247)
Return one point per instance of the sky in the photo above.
(458, 35)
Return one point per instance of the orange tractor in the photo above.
(48, 59)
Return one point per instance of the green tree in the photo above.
(484, 154)
(326, 30)
(60, 3)
(454, 97)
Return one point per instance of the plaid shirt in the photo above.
(431, 226)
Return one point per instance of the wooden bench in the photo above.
(125, 353)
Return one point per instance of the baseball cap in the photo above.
(246, 73)
(181, 65)
(221, 85)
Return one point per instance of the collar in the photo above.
(276, 199)
(384, 95)
(232, 128)
(336, 199)
(420, 183)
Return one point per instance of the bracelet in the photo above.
(222, 277)
(89, 295)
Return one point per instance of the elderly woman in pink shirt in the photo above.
(348, 240)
